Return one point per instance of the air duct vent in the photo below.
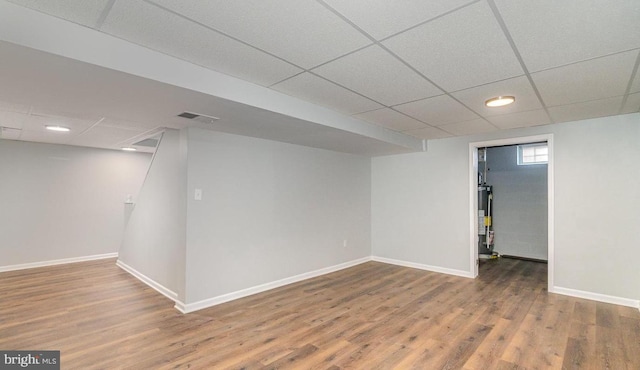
(188, 115)
(202, 118)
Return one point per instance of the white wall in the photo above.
(155, 238)
(597, 190)
(269, 211)
(420, 204)
(59, 202)
(519, 204)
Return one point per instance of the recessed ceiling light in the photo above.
(499, 101)
(57, 128)
(129, 149)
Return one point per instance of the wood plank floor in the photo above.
(371, 316)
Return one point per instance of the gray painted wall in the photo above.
(272, 210)
(269, 211)
(597, 182)
(155, 237)
(519, 204)
(59, 201)
(420, 204)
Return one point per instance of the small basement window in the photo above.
(533, 154)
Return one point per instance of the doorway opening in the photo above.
(529, 150)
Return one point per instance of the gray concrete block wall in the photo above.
(520, 204)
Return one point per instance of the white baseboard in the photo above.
(191, 307)
(420, 266)
(57, 262)
(597, 297)
(147, 280)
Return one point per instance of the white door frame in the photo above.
(473, 198)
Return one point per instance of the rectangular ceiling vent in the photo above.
(202, 118)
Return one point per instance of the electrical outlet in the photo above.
(197, 194)
(344, 243)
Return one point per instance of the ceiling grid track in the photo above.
(507, 34)
(634, 72)
(381, 74)
(104, 14)
(221, 33)
(378, 43)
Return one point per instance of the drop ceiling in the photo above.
(420, 69)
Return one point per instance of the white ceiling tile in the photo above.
(14, 107)
(632, 104)
(302, 32)
(464, 51)
(34, 129)
(594, 79)
(460, 50)
(317, 90)
(64, 115)
(46, 137)
(176, 123)
(521, 119)
(165, 32)
(104, 137)
(128, 125)
(585, 110)
(378, 75)
(84, 12)
(12, 119)
(550, 33)
(436, 111)
(476, 126)
(519, 87)
(428, 133)
(391, 119)
(37, 123)
(382, 18)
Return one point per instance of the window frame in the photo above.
(538, 158)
